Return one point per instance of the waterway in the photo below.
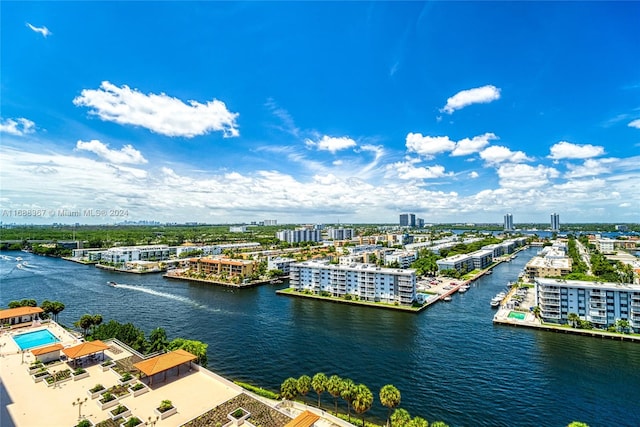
(449, 362)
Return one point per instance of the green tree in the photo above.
(289, 388)
(418, 422)
(158, 340)
(85, 323)
(319, 384)
(573, 319)
(577, 424)
(304, 384)
(536, 312)
(389, 397)
(400, 418)
(439, 424)
(348, 393)
(334, 387)
(197, 348)
(363, 400)
(622, 325)
(23, 303)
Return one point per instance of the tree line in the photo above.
(356, 396)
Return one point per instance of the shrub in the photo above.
(165, 405)
(97, 388)
(79, 371)
(132, 422)
(138, 386)
(84, 423)
(107, 397)
(119, 409)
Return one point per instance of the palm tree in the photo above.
(400, 418)
(304, 384)
(319, 384)
(348, 393)
(389, 397)
(289, 389)
(363, 400)
(334, 387)
(573, 318)
(536, 312)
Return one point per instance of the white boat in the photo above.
(114, 284)
(447, 298)
(463, 289)
(495, 303)
(18, 258)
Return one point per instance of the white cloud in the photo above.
(17, 127)
(408, 170)
(427, 146)
(126, 154)
(634, 124)
(478, 95)
(498, 154)
(473, 175)
(520, 176)
(468, 146)
(41, 30)
(591, 167)
(332, 144)
(159, 113)
(568, 150)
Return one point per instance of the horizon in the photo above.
(227, 113)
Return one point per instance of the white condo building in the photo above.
(340, 233)
(600, 303)
(300, 235)
(365, 281)
(136, 253)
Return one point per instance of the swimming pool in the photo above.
(517, 315)
(35, 339)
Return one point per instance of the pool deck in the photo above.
(27, 403)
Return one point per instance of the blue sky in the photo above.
(320, 111)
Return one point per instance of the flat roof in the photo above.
(592, 285)
(164, 362)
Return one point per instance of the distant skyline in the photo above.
(350, 112)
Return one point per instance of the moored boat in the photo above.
(447, 298)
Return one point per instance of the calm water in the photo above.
(450, 362)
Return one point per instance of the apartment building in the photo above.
(600, 303)
(280, 263)
(365, 281)
(221, 265)
(300, 235)
(403, 258)
(136, 253)
(340, 233)
(551, 261)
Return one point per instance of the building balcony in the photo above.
(546, 315)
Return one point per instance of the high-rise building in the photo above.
(407, 220)
(508, 222)
(555, 222)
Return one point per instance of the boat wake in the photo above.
(161, 294)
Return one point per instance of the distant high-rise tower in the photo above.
(407, 220)
(508, 222)
(555, 222)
